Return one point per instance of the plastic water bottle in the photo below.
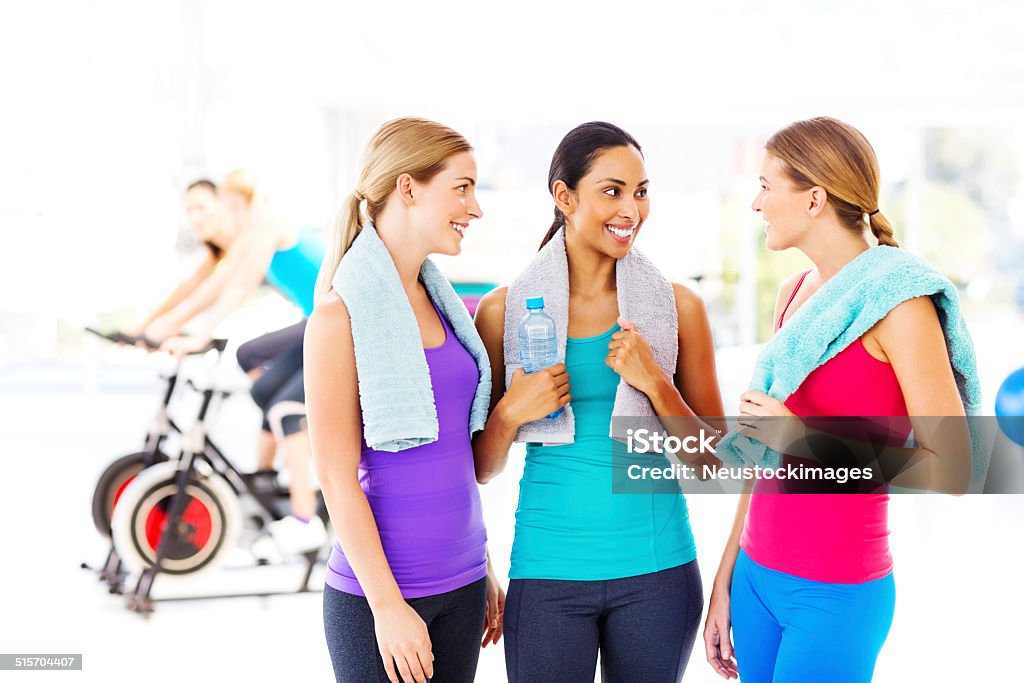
(538, 341)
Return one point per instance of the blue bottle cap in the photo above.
(534, 302)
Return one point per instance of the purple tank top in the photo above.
(425, 500)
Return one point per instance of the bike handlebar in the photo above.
(118, 337)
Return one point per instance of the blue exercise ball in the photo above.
(1010, 406)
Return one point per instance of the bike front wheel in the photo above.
(194, 540)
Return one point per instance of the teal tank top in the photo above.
(569, 524)
(293, 271)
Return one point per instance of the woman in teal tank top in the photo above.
(249, 244)
(592, 570)
(569, 524)
(293, 270)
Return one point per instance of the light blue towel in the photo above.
(395, 393)
(839, 313)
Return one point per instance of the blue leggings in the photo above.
(786, 628)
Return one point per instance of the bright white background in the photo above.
(110, 108)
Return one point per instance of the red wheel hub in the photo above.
(196, 524)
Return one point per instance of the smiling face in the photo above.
(203, 213)
(610, 202)
(787, 211)
(444, 206)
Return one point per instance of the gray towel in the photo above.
(395, 394)
(645, 298)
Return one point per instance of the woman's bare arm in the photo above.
(692, 400)
(238, 274)
(912, 340)
(335, 426)
(529, 397)
(182, 291)
(491, 445)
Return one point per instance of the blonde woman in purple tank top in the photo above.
(410, 593)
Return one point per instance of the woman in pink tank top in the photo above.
(806, 580)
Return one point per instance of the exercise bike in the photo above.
(179, 516)
(123, 470)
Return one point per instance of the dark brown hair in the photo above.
(575, 155)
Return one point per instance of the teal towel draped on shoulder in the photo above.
(849, 304)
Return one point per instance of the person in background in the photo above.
(249, 244)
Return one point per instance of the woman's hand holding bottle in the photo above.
(535, 395)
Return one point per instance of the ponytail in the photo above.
(882, 229)
(836, 156)
(555, 225)
(346, 228)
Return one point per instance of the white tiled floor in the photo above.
(958, 561)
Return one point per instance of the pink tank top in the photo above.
(834, 538)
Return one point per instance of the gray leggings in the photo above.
(644, 627)
(455, 621)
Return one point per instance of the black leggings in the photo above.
(644, 627)
(280, 353)
(455, 622)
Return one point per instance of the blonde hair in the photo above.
(415, 146)
(828, 153)
(242, 182)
